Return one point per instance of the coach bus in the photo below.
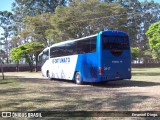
(96, 58)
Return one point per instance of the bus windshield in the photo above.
(115, 42)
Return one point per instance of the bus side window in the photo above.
(60, 51)
(57, 51)
(40, 58)
(53, 52)
(45, 55)
(71, 48)
(86, 46)
(93, 41)
(83, 46)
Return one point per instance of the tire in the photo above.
(78, 78)
(49, 76)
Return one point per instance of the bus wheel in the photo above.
(48, 75)
(78, 78)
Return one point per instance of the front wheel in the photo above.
(78, 78)
(49, 76)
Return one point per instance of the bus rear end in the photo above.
(115, 58)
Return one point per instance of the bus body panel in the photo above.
(115, 67)
(98, 66)
(66, 67)
(60, 67)
(87, 66)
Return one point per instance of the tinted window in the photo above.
(115, 42)
(93, 44)
(60, 51)
(76, 47)
(71, 48)
(53, 52)
(57, 51)
(83, 46)
(44, 56)
(86, 46)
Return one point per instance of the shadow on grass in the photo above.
(126, 83)
(63, 80)
(12, 91)
(120, 102)
(74, 97)
(108, 84)
(5, 82)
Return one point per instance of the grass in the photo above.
(146, 72)
(151, 74)
(26, 91)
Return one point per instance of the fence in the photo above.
(22, 67)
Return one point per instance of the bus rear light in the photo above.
(100, 70)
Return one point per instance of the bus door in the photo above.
(115, 57)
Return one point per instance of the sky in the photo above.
(6, 5)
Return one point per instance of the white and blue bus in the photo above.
(101, 57)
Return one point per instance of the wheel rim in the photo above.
(78, 78)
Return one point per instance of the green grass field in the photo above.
(146, 71)
(146, 74)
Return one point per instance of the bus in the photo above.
(104, 56)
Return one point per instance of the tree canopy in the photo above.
(6, 19)
(81, 19)
(29, 51)
(153, 35)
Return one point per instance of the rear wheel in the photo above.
(78, 78)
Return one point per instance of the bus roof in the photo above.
(69, 41)
(110, 32)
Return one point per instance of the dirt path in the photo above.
(24, 74)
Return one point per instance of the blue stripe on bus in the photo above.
(87, 66)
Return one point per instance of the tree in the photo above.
(16, 41)
(2, 56)
(150, 13)
(135, 53)
(2, 53)
(36, 28)
(83, 17)
(153, 34)
(23, 8)
(35, 7)
(29, 51)
(17, 55)
(6, 19)
(33, 49)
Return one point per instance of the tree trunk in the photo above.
(2, 70)
(17, 66)
(36, 69)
